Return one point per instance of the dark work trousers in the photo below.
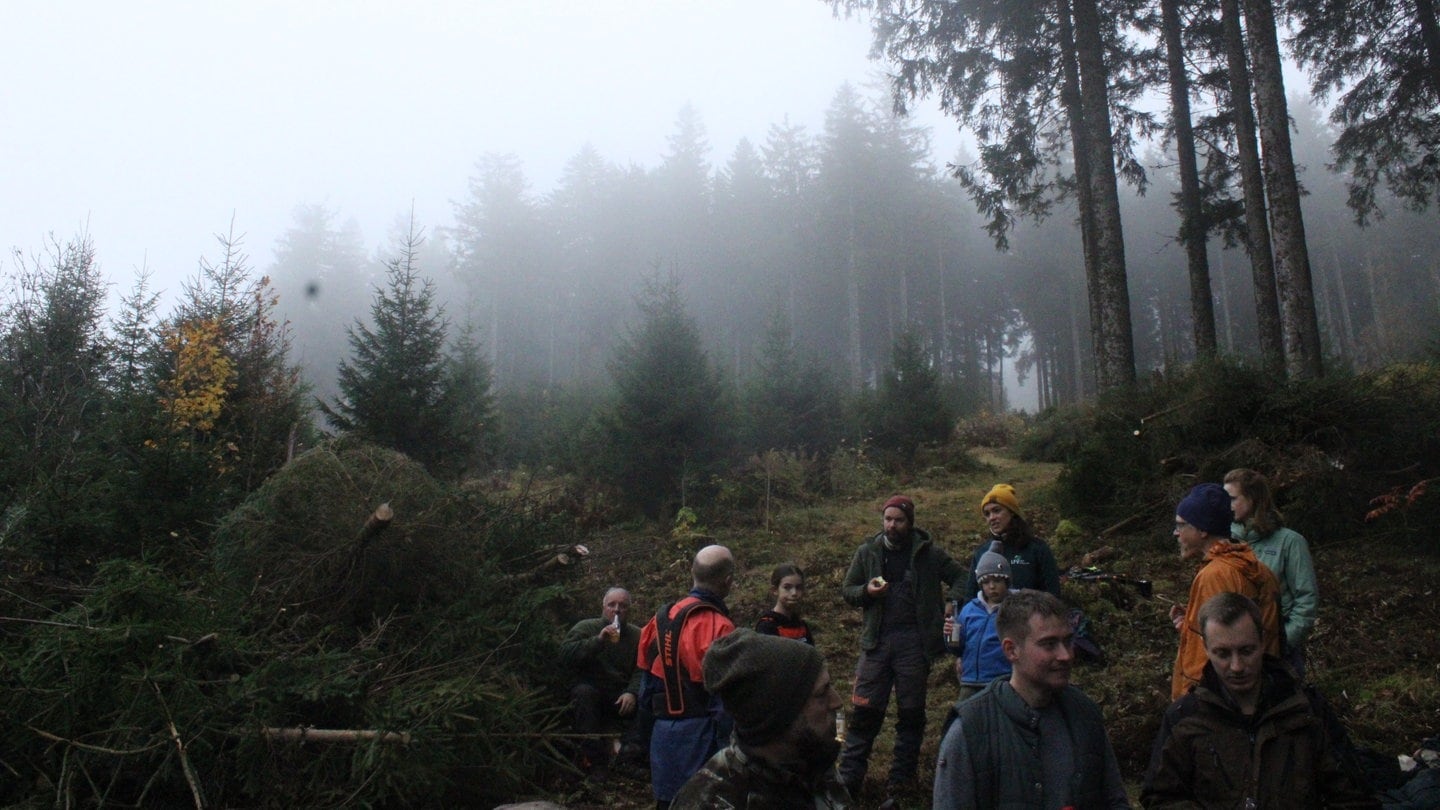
(898, 663)
(592, 711)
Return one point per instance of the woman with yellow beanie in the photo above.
(1032, 563)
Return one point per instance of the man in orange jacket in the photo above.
(1202, 528)
(690, 725)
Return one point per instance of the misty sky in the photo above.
(150, 123)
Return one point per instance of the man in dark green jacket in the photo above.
(895, 577)
(1247, 735)
(601, 653)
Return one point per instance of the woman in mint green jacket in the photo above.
(1284, 551)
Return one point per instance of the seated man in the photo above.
(783, 704)
(601, 652)
(1247, 735)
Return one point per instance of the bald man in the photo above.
(690, 725)
(601, 653)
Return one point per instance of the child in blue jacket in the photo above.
(971, 635)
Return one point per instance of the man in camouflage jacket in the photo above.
(780, 696)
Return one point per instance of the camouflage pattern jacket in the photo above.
(731, 779)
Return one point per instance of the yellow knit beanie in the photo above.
(1003, 494)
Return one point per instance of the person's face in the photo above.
(791, 591)
(812, 735)
(995, 589)
(1240, 504)
(997, 518)
(819, 712)
(1042, 661)
(897, 524)
(1192, 540)
(1236, 652)
(617, 603)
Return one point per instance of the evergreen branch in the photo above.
(185, 766)
(51, 624)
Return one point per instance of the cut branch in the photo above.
(378, 521)
(338, 735)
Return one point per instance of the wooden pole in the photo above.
(335, 735)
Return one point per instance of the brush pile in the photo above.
(358, 633)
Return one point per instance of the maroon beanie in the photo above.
(902, 503)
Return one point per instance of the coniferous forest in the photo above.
(351, 485)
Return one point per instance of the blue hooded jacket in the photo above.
(981, 658)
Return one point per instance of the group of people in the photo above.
(751, 718)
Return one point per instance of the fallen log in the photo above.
(335, 735)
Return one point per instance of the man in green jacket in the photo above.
(601, 653)
(1247, 735)
(895, 577)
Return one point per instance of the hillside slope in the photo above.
(1372, 652)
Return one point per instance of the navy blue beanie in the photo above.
(1207, 508)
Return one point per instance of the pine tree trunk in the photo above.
(942, 332)
(1077, 352)
(1042, 379)
(1225, 303)
(1257, 225)
(1192, 225)
(1115, 354)
(852, 298)
(1080, 152)
(1382, 339)
(1430, 35)
(1347, 324)
(1299, 329)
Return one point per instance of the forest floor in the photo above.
(1373, 653)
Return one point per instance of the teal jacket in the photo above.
(929, 566)
(1287, 555)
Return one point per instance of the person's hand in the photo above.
(949, 626)
(1177, 616)
(625, 704)
(609, 633)
(877, 587)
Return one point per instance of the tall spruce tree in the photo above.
(54, 358)
(1383, 58)
(669, 422)
(910, 408)
(1027, 78)
(791, 401)
(469, 404)
(1299, 327)
(393, 387)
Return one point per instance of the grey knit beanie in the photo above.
(993, 563)
(763, 681)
